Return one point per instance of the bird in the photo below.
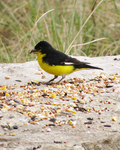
(57, 63)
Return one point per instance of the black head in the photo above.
(43, 47)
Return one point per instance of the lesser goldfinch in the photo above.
(56, 62)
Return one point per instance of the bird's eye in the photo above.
(40, 48)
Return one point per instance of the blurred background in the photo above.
(18, 33)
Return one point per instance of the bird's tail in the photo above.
(85, 66)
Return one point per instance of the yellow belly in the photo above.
(57, 70)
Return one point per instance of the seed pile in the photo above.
(58, 103)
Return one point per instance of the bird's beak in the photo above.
(33, 51)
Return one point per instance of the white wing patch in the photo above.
(68, 63)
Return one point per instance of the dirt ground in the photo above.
(81, 113)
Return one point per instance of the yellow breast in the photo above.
(57, 70)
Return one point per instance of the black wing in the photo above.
(58, 58)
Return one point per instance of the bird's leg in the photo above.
(63, 76)
(51, 80)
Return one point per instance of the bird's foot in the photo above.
(51, 83)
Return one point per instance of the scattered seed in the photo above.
(33, 117)
(17, 101)
(11, 116)
(48, 130)
(89, 118)
(53, 95)
(51, 124)
(80, 109)
(18, 80)
(114, 118)
(58, 142)
(7, 77)
(15, 127)
(109, 86)
(1, 105)
(63, 100)
(43, 76)
(102, 121)
(89, 122)
(107, 125)
(52, 119)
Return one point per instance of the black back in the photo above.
(55, 57)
